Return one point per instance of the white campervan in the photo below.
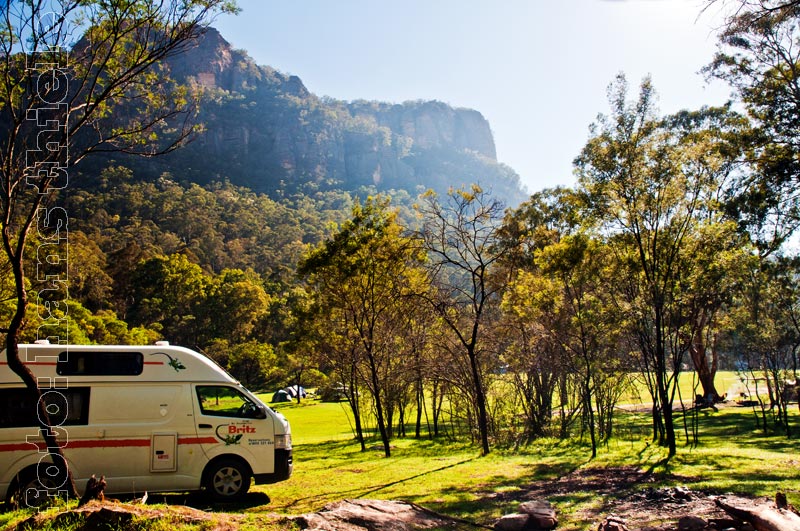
(149, 418)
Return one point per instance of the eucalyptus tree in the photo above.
(759, 57)
(60, 101)
(577, 266)
(650, 183)
(767, 337)
(361, 279)
(536, 355)
(570, 326)
(169, 294)
(462, 238)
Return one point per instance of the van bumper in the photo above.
(283, 469)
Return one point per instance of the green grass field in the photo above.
(449, 475)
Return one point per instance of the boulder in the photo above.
(371, 515)
(512, 522)
(613, 523)
(542, 515)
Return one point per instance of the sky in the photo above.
(537, 70)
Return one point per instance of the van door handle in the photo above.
(205, 426)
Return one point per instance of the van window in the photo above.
(71, 363)
(66, 407)
(223, 401)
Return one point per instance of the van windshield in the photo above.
(224, 401)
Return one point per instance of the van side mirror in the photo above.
(260, 412)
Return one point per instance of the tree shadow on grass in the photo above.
(481, 504)
(203, 501)
(361, 492)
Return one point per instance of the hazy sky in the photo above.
(536, 69)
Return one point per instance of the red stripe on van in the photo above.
(103, 443)
(20, 446)
(97, 443)
(108, 443)
(154, 363)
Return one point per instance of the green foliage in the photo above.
(758, 57)
(235, 305)
(255, 365)
(167, 294)
(361, 281)
(652, 183)
(219, 227)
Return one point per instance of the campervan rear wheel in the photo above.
(228, 479)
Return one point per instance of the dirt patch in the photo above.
(629, 493)
(374, 515)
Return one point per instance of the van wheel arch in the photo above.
(236, 464)
(20, 479)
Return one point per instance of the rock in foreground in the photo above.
(372, 515)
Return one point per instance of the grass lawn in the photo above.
(451, 476)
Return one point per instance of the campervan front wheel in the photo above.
(228, 479)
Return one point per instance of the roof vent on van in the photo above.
(162, 343)
(42, 342)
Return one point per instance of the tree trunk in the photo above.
(420, 398)
(297, 380)
(705, 372)
(379, 405)
(480, 402)
(63, 478)
(662, 383)
(437, 401)
(352, 398)
(587, 403)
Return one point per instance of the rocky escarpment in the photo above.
(265, 130)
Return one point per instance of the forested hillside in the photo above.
(264, 130)
(195, 265)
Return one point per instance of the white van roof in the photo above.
(93, 363)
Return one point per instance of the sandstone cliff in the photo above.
(265, 130)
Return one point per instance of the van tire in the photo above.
(27, 480)
(227, 479)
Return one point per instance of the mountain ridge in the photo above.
(265, 130)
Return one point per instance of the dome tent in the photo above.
(281, 395)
